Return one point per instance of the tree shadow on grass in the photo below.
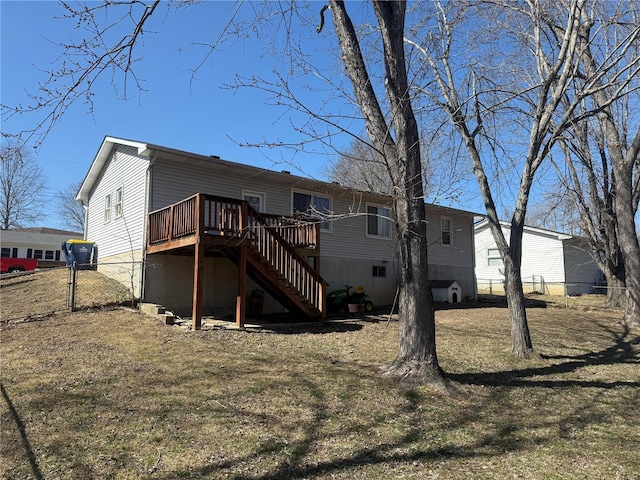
(316, 328)
(620, 352)
(12, 282)
(409, 449)
(23, 434)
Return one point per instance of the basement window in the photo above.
(379, 271)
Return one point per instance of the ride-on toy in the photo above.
(338, 300)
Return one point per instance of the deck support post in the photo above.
(198, 270)
(242, 286)
(198, 267)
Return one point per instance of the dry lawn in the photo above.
(112, 394)
(40, 293)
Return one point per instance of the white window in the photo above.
(48, 254)
(255, 199)
(6, 252)
(312, 206)
(107, 209)
(37, 254)
(446, 231)
(118, 205)
(378, 222)
(493, 257)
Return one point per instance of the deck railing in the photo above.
(273, 237)
(223, 216)
(279, 252)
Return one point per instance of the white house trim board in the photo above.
(249, 195)
(98, 163)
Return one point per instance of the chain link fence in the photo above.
(33, 295)
(103, 284)
(569, 295)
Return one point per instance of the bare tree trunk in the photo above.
(628, 238)
(615, 295)
(624, 161)
(417, 361)
(521, 344)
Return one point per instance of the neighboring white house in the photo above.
(356, 241)
(553, 263)
(38, 242)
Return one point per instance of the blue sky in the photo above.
(176, 111)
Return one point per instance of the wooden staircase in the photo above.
(281, 288)
(268, 248)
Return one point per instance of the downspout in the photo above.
(147, 202)
(473, 257)
(85, 207)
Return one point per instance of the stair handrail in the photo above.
(290, 268)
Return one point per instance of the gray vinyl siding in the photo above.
(126, 170)
(461, 251)
(348, 253)
(173, 181)
(580, 267)
(348, 236)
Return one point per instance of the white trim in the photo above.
(115, 205)
(388, 219)
(255, 193)
(450, 219)
(99, 161)
(106, 209)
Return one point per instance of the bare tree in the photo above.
(588, 179)
(590, 148)
(397, 141)
(70, 210)
(557, 210)
(359, 166)
(611, 77)
(496, 96)
(21, 184)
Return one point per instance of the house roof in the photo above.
(284, 177)
(533, 230)
(46, 230)
(100, 159)
(441, 283)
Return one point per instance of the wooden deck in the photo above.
(272, 249)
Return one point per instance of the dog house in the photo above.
(446, 291)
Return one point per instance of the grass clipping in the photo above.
(113, 394)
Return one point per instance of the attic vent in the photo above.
(287, 172)
(215, 156)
